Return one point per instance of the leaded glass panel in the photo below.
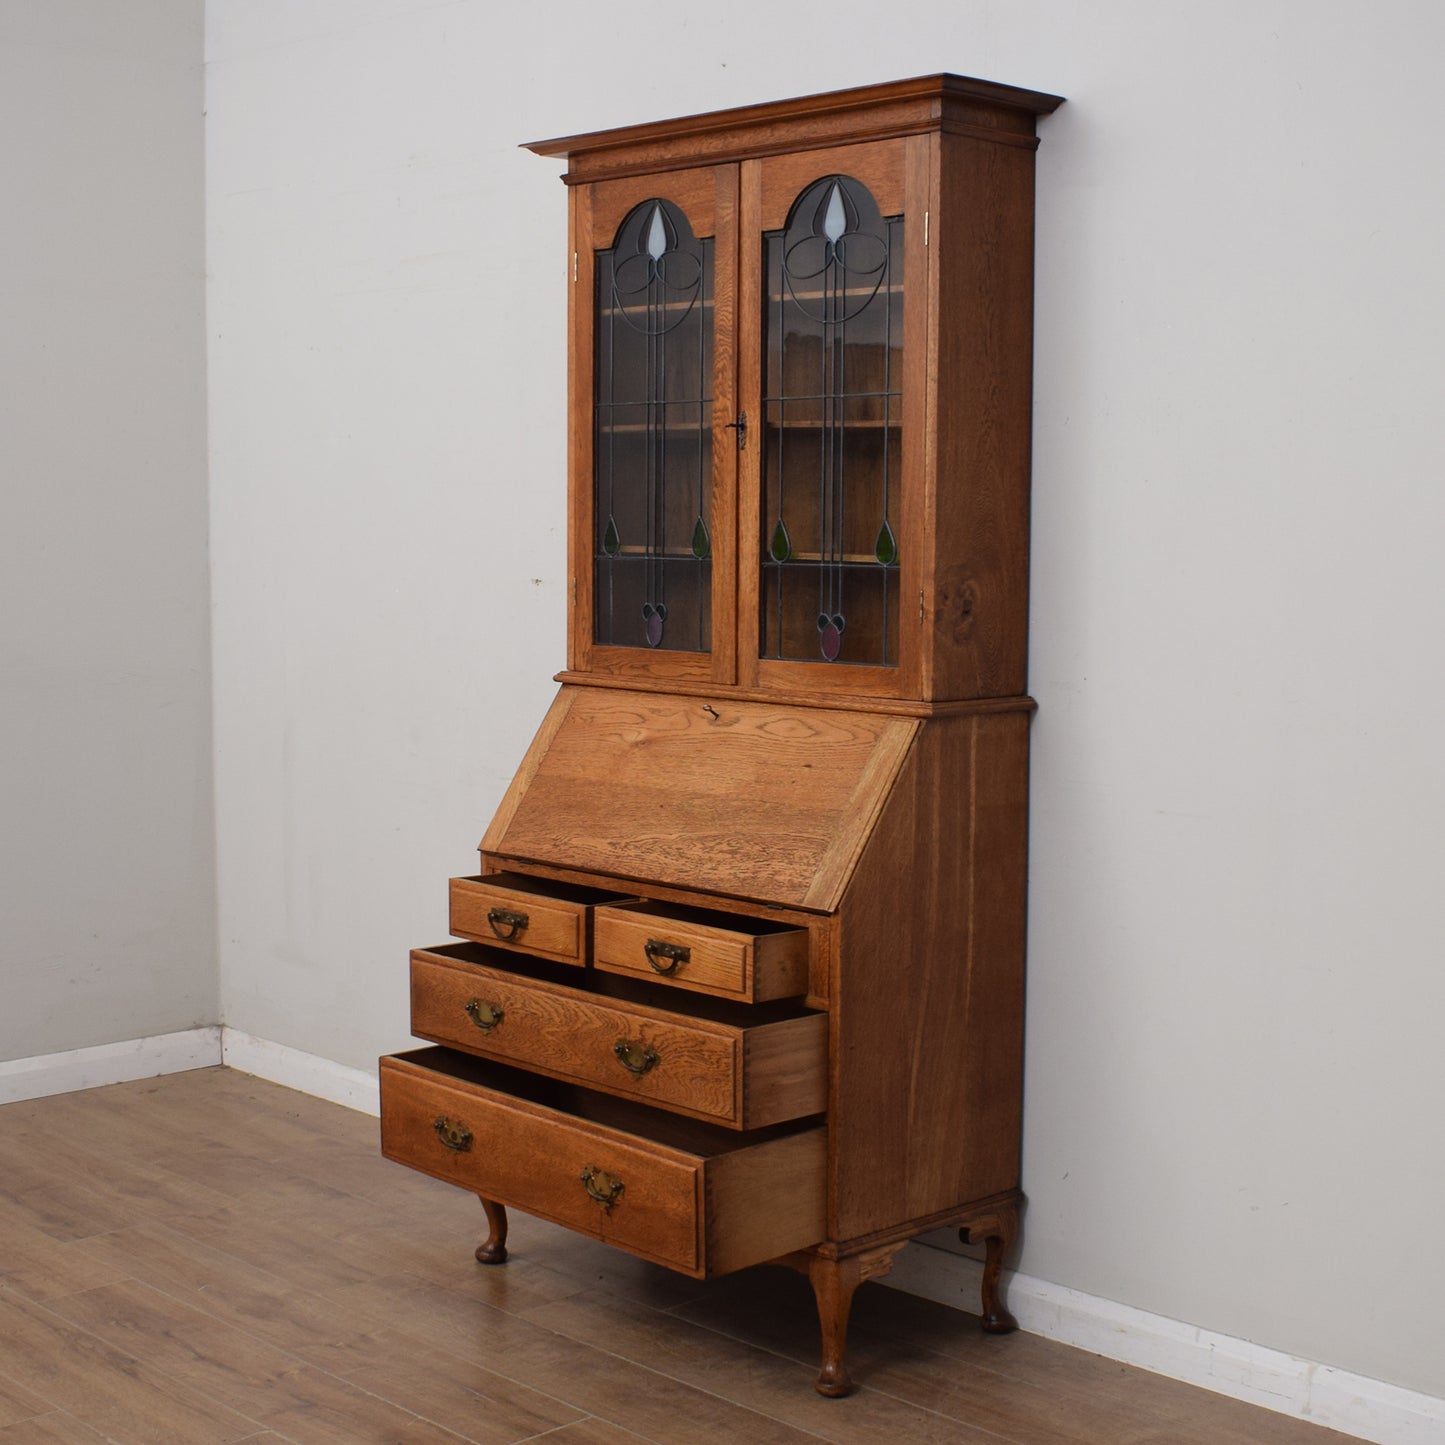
(652, 439)
(832, 439)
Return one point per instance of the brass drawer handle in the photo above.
(486, 1016)
(676, 954)
(635, 1056)
(506, 924)
(456, 1137)
(607, 1193)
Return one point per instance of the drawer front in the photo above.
(726, 960)
(643, 1054)
(683, 1194)
(527, 915)
(547, 1163)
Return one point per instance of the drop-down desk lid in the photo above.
(753, 800)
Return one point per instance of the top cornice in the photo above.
(905, 107)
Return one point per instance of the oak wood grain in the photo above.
(652, 1193)
(752, 960)
(530, 1157)
(745, 1072)
(738, 798)
(980, 397)
(515, 912)
(928, 994)
(1003, 114)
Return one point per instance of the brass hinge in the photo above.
(925, 228)
(920, 604)
(574, 267)
(574, 591)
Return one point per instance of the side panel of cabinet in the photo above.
(832, 502)
(980, 379)
(707, 198)
(925, 1105)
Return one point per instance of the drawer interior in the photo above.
(709, 918)
(688, 1136)
(619, 988)
(553, 888)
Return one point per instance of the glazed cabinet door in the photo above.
(832, 375)
(652, 389)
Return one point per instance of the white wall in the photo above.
(106, 864)
(1235, 1072)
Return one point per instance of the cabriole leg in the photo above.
(494, 1249)
(997, 1232)
(834, 1282)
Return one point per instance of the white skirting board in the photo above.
(308, 1073)
(63, 1073)
(203, 1048)
(1354, 1404)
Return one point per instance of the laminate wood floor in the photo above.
(209, 1258)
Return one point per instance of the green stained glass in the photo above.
(701, 542)
(781, 547)
(611, 542)
(885, 549)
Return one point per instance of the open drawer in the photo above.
(540, 916)
(741, 1067)
(698, 1199)
(726, 954)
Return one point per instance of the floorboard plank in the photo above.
(593, 1432)
(105, 1388)
(17, 1403)
(56, 1428)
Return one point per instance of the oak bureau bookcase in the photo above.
(744, 977)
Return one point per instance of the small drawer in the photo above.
(539, 916)
(740, 1067)
(685, 1195)
(726, 954)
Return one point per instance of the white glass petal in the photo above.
(835, 222)
(656, 235)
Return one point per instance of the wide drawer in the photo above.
(744, 1068)
(692, 1197)
(728, 955)
(539, 916)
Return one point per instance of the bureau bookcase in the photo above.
(742, 970)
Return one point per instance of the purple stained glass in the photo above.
(830, 635)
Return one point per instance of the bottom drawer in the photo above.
(691, 1196)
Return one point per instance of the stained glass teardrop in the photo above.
(653, 616)
(611, 542)
(835, 222)
(830, 635)
(885, 549)
(656, 235)
(701, 542)
(781, 547)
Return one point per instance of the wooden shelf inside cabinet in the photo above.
(743, 969)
